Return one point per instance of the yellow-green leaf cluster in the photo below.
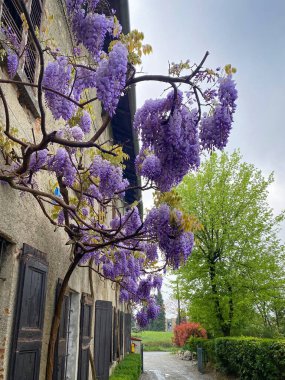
(133, 42)
(229, 69)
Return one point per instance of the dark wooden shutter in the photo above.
(85, 336)
(121, 332)
(115, 334)
(59, 372)
(29, 318)
(103, 338)
(128, 321)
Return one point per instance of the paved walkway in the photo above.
(167, 366)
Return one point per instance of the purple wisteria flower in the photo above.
(215, 128)
(171, 139)
(57, 76)
(111, 77)
(85, 122)
(151, 168)
(77, 133)
(12, 64)
(228, 93)
(61, 163)
(165, 226)
(142, 318)
(84, 79)
(38, 160)
(152, 310)
(110, 177)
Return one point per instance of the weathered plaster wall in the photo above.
(22, 221)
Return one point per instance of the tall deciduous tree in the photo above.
(235, 271)
(158, 324)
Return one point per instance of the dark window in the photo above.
(3, 250)
(30, 306)
(11, 17)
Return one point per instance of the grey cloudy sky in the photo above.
(249, 34)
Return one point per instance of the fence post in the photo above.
(201, 357)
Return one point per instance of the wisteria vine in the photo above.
(196, 115)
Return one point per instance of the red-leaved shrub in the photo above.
(186, 329)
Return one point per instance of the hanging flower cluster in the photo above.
(215, 128)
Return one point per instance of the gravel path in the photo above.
(166, 366)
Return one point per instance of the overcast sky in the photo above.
(249, 34)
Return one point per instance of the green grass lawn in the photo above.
(156, 340)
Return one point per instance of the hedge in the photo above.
(128, 369)
(246, 358)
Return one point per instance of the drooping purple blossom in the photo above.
(157, 282)
(62, 165)
(12, 38)
(90, 29)
(57, 76)
(124, 295)
(38, 160)
(171, 138)
(152, 310)
(85, 211)
(85, 122)
(84, 79)
(110, 177)
(77, 133)
(12, 64)
(142, 318)
(228, 93)
(111, 77)
(215, 128)
(132, 221)
(60, 217)
(108, 270)
(165, 226)
(94, 192)
(151, 168)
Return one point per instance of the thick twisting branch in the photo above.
(7, 121)
(198, 68)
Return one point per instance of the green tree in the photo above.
(234, 277)
(158, 324)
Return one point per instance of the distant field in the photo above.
(156, 340)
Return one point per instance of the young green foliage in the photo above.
(236, 266)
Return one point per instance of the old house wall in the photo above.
(22, 221)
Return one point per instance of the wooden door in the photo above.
(115, 335)
(103, 338)
(127, 335)
(29, 318)
(85, 336)
(121, 324)
(60, 358)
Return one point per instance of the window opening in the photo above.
(11, 18)
(3, 249)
